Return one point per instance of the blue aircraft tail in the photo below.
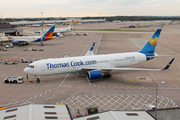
(49, 33)
(42, 24)
(150, 46)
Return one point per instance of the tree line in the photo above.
(136, 18)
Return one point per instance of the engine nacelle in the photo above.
(15, 42)
(94, 74)
(61, 36)
(58, 34)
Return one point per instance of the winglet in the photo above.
(169, 64)
(90, 52)
(92, 47)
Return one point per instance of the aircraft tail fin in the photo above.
(150, 46)
(90, 52)
(70, 25)
(42, 24)
(49, 33)
(75, 22)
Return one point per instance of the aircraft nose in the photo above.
(26, 70)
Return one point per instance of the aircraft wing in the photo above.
(124, 68)
(117, 68)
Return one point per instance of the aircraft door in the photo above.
(43, 67)
(139, 58)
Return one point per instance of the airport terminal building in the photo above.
(7, 28)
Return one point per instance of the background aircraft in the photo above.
(59, 31)
(42, 24)
(26, 39)
(96, 66)
(68, 23)
(51, 24)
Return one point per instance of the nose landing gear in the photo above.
(38, 80)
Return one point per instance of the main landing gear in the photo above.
(107, 76)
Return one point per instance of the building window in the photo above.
(132, 114)
(11, 116)
(49, 106)
(11, 110)
(50, 113)
(51, 117)
(93, 118)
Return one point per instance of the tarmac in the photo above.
(60, 88)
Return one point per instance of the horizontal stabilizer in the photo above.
(159, 56)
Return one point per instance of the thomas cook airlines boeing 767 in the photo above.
(96, 66)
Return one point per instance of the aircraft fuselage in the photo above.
(56, 66)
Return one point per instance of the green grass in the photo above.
(120, 30)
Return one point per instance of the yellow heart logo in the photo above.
(153, 41)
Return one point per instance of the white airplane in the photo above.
(26, 39)
(51, 24)
(59, 31)
(42, 24)
(96, 66)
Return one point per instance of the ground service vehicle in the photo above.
(13, 80)
(10, 61)
(24, 60)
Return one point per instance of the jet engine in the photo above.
(94, 74)
(60, 35)
(15, 42)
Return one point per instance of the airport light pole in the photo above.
(42, 20)
(124, 20)
(156, 95)
(100, 20)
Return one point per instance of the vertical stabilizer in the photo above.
(74, 22)
(49, 33)
(150, 46)
(42, 24)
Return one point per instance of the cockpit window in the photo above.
(31, 66)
